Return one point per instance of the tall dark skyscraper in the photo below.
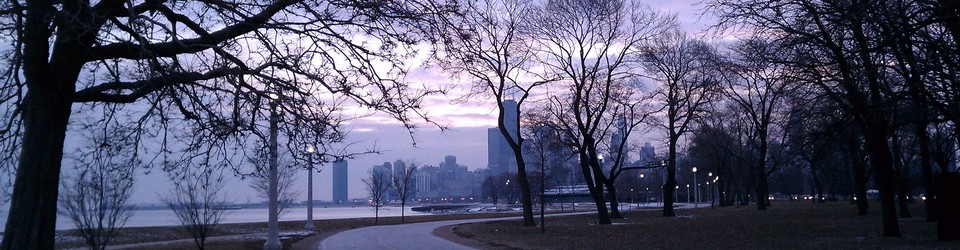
(340, 181)
(500, 157)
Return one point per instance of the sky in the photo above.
(466, 139)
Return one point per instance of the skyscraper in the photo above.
(340, 181)
(647, 153)
(618, 138)
(500, 158)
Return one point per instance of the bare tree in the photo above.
(192, 74)
(759, 87)
(98, 202)
(591, 46)
(841, 50)
(198, 201)
(491, 188)
(491, 50)
(630, 109)
(546, 152)
(259, 179)
(97, 199)
(402, 181)
(682, 67)
(378, 184)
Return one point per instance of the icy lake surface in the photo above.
(148, 218)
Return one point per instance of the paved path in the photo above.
(403, 236)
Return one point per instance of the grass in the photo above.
(240, 235)
(788, 225)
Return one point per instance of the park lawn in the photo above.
(245, 235)
(787, 225)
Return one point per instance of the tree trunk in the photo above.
(899, 178)
(403, 205)
(596, 191)
(902, 193)
(525, 196)
(859, 175)
(543, 202)
(883, 168)
(515, 145)
(763, 187)
(817, 185)
(32, 219)
(926, 166)
(614, 204)
(668, 187)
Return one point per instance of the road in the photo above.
(403, 236)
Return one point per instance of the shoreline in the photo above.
(253, 234)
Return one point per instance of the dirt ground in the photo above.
(788, 225)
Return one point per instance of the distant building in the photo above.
(647, 154)
(500, 158)
(446, 182)
(616, 140)
(340, 181)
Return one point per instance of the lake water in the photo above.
(149, 218)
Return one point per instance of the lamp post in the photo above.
(710, 190)
(273, 239)
(638, 189)
(676, 193)
(310, 151)
(507, 189)
(716, 188)
(688, 193)
(696, 189)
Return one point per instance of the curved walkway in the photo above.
(404, 236)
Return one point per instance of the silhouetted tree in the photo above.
(838, 48)
(259, 179)
(591, 46)
(685, 70)
(198, 201)
(193, 75)
(97, 198)
(759, 87)
(378, 184)
(402, 181)
(492, 50)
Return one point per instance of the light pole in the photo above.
(676, 193)
(638, 188)
(717, 189)
(688, 193)
(507, 189)
(310, 151)
(696, 189)
(710, 190)
(273, 239)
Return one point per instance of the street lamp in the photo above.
(676, 193)
(688, 193)
(644, 193)
(273, 239)
(711, 193)
(696, 190)
(310, 151)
